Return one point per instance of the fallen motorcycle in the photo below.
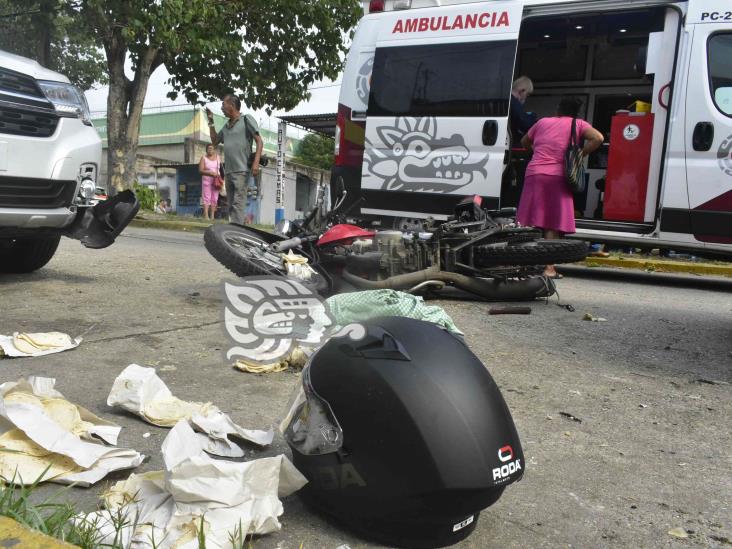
(483, 252)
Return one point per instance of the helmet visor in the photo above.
(310, 427)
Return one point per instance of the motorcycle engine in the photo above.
(390, 253)
(393, 251)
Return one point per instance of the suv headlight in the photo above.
(67, 99)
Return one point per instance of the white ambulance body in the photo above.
(423, 113)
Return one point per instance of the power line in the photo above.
(327, 86)
(8, 15)
(336, 84)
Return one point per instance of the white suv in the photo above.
(49, 162)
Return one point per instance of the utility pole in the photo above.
(45, 21)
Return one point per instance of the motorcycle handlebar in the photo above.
(284, 245)
(290, 243)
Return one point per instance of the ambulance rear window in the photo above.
(464, 79)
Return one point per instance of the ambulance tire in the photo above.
(242, 250)
(536, 252)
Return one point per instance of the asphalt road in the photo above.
(651, 386)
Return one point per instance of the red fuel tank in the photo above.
(343, 234)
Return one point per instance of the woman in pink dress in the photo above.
(208, 167)
(546, 200)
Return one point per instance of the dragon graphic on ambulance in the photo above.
(724, 155)
(414, 159)
(363, 81)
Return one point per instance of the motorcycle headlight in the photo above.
(67, 99)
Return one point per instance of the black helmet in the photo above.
(402, 434)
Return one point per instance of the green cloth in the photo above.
(237, 141)
(361, 306)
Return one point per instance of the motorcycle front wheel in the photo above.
(245, 252)
(536, 252)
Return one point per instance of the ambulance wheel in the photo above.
(408, 224)
(536, 252)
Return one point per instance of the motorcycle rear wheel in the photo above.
(245, 253)
(536, 252)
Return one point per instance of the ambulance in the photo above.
(423, 115)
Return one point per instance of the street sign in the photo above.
(280, 192)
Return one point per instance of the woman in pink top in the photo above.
(208, 167)
(546, 200)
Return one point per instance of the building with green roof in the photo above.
(172, 143)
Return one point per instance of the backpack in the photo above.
(250, 125)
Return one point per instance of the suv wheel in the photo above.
(24, 255)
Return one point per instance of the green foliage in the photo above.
(54, 518)
(267, 51)
(47, 517)
(147, 197)
(316, 150)
(238, 538)
(45, 30)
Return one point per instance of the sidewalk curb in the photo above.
(660, 266)
(14, 534)
(169, 225)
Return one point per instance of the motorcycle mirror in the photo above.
(283, 227)
(340, 186)
(339, 203)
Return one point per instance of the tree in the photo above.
(268, 51)
(315, 150)
(46, 31)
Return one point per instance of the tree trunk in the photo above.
(44, 21)
(124, 111)
(121, 159)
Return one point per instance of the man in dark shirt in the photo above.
(520, 121)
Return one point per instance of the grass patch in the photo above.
(50, 517)
(58, 519)
(64, 522)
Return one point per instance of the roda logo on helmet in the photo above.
(338, 477)
(505, 453)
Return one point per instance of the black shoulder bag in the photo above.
(574, 167)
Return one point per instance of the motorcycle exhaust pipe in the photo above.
(491, 289)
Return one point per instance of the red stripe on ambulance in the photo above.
(447, 23)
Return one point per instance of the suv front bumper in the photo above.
(94, 226)
(24, 219)
(31, 203)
